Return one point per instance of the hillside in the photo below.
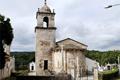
(22, 59)
(103, 57)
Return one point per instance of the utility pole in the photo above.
(119, 64)
(118, 60)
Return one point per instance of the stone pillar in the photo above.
(65, 53)
(62, 58)
(78, 68)
(95, 77)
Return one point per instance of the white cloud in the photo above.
(84, 20)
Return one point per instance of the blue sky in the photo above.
(84, 20)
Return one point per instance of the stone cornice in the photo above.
(37, 27)
(45, 13)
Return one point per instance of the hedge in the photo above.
(108, 74)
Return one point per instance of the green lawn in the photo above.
(118, 79)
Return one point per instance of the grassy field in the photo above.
(118, 78)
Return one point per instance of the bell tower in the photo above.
(45, 18)
(45, 40)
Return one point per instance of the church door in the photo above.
(45, 64)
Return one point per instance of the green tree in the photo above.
(103, 57)
(6, 37)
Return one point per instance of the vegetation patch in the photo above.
(103, 57)
(108, 74)
(22, 59)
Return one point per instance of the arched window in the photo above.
(32, 67)
(45, 22)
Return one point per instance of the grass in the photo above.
(118, 78)
(18, 73)
(109, 71)
(109, 74)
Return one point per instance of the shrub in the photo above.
(108, 74)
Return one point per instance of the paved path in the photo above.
(87, 78)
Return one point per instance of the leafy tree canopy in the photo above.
(6, 30)
(103, 57)
(6, 37)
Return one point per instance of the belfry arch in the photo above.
(45, 22)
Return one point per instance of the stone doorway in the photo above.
(45, 64)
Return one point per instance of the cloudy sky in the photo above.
(84, 20)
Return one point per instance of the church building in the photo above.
(51, 57)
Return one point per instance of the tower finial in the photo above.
(45, 1)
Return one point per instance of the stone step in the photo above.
(54, 77)
(35, 78)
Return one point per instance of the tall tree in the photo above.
(6, 37)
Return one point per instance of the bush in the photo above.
(22, 67)
(109, 74)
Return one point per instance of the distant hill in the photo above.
(103, 57)
(22, 59)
